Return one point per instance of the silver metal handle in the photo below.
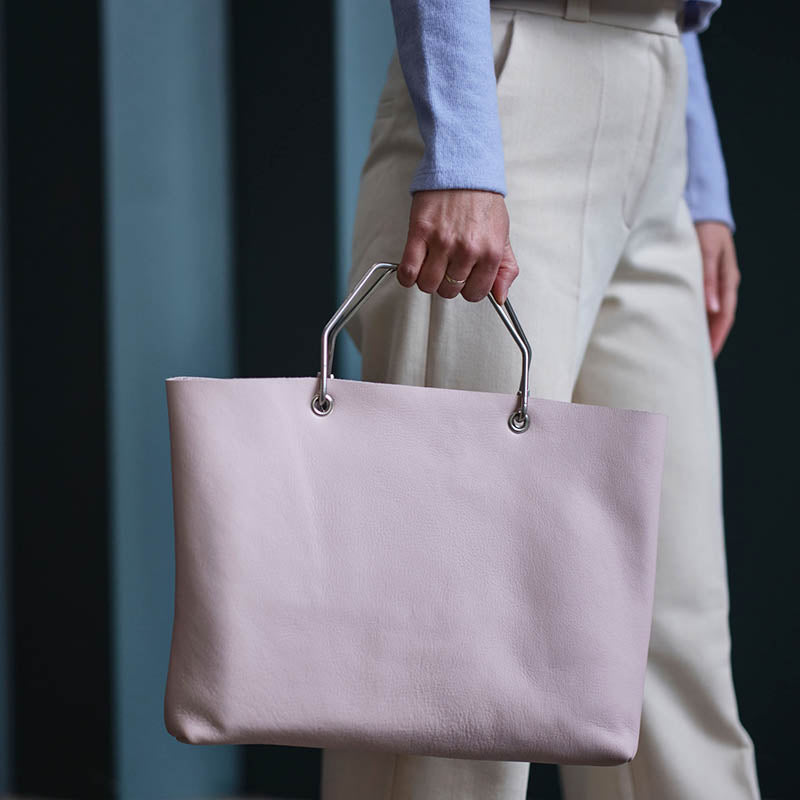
(519, 421)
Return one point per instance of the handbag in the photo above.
(410, 569)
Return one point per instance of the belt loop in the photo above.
(577, 10)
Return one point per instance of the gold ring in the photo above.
(453, 280)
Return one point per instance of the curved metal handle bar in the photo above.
(322, 402)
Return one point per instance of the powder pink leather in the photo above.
(406, 574)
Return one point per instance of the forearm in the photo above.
(445, 51)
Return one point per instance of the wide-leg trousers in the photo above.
(610, 294)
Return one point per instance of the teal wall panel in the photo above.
(170, 307)
(364, 44)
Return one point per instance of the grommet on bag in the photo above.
(519, 424)
(319, 408)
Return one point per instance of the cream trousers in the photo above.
(610, 295)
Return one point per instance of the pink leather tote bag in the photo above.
(410, 569)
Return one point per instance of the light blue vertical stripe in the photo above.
(364, 44)
(170, 312)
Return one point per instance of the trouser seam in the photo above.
(633, 792)
(575, 367)
(394, 778)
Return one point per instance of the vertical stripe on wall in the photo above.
(5, 664)
(364, 41)
(56, 403)
(283, 112)
(170, 312)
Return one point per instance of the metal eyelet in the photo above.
(519, 424)
(319, 409)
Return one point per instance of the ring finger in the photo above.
(454, 278)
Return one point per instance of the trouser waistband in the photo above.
(656, 16)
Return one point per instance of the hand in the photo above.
(721, 278)
(465, 232)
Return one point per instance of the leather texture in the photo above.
(408, 575)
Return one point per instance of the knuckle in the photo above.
(494, 254)
(444, 239)
(434, 233)
(423, 230)
(467, 248)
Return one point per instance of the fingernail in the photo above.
(713, 303)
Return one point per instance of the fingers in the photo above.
(432, 273)
(711, 270)
(463, 260)
(720, 279)
(482, 276)
(711, 277)
(721, 322)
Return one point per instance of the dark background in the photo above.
(62, 730)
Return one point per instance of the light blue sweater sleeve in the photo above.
(707, 181)
(445, 52)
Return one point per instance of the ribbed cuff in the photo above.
(709, 203)
(458, 178)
